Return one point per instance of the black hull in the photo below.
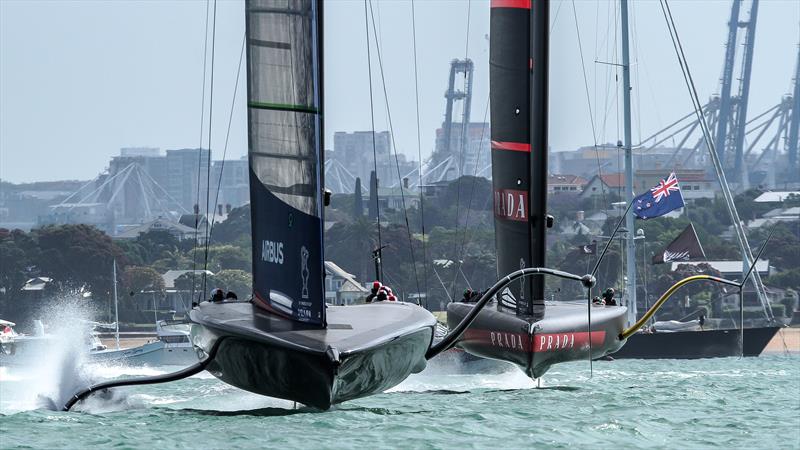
(534, 343)
(696, 344)
(365, 350)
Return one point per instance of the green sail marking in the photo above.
(283, 107)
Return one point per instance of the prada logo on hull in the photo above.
(539, 343)
(506, 340)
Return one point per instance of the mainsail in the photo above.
(519, 187)
(685, 247)
(285, 145)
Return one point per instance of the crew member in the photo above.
(382, 296)
(467, 296)
(598, 301)
(231, 296)
(608, 297)
(376, 286)
(217, 295)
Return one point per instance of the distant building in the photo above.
(200, 223)
(233, 183)
(558, 184)
(179, 231)
(22, 204)
(731, 270)
(472, 158)
(433, 190)
(694, 183)
(352, 157)
(341, 288)
(776, 196)
(186, 172)
(355, 153)
(180, 300)
(608, 158)
(600, 185)
(151, 160)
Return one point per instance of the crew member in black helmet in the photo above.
(376, 286)
(467, 296)
(231, 296)
(608, 297)
(217, 295)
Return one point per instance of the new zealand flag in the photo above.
(659, 200)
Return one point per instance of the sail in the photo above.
(685, 247)
(510, 81)
(285, 142)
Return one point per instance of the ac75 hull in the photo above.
(560, 333)
(364, 350)
(697, 344)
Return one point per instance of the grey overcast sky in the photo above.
(81, 79)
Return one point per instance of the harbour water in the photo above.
(728, 402)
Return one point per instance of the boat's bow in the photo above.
(560, 332)
(365, 349)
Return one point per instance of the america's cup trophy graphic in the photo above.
(304, 270)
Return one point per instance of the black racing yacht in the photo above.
(286, 342)
(518, 326)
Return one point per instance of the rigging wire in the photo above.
(374, 151)
(555, 17)
(464, 133)
(394, 146)
(200, 158)
(227, 134)
(419, 155)
(583, 68)
(460, 253)
(695, 98)
(208, 161)
(589, 103)
(462, 143)
(634, 30)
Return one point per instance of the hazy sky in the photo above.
(80, 79)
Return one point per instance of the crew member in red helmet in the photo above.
(376, 286)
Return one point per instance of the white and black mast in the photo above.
(538, 219)
(630, 246)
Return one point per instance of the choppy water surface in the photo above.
(752, 403)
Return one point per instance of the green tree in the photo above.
(238, 281)
(19, 253)
(136, 279)
(350, 246)
(155, 244)
(358, 202)
(222, 257)
(788, 279)
(78, 256)
(373, 195)
(235, 228)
